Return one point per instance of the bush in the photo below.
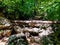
(25, 9)
(18, 9)
(53, 38)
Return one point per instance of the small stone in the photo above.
(37, 39)
(35, 30)
(27, 34)
(20, 34)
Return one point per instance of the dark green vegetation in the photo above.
(14, 40)
(17, 9)
(54, 38)
(26, 9)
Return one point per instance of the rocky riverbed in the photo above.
(32, 31)
(33, 37)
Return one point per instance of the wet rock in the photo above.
(45, 32)
(17, 29)
(36, 29)
(20, 34)
(4, 21)
(31, 29)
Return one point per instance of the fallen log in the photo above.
(33, 23)
(36, 21)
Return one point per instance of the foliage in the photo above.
(16, 9)
(46, 40)
(54, 38)
(13, 40)
(49, 9)
(25, 9)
